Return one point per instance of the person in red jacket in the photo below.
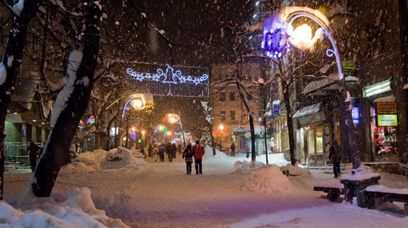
(198, 157)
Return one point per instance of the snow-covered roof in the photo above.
(258, 129)
(319, 84)
(311, 109)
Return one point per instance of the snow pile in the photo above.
(100, 159)
(244, 166)
(75, 59)
(274, 159)
(3, 73)
(295, 170)
(268, 180)
(77, 211)
(220, 163)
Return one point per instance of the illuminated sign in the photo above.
(355, 113)
(387, 120)
(386, 107)
(378, 88)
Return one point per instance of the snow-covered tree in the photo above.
(71, 103)
(22, 13)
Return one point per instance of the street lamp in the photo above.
(301, 37)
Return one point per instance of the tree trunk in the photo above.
(252, 128)
(289, 121)
(11, 61)
(56, 150)
(403, 131)
(212, 140)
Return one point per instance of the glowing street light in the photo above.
(137, 103)
(220, 127)
(279, 36)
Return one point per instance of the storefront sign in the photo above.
(387, 120)
(355, 113)
(386, 107)
(276, 107)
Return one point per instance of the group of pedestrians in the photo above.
(197, 152)
(190, 154)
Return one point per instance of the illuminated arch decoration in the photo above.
(169, 81)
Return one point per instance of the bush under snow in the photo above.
(100, 159)
(268, 180)
(78, 210)
(295, 170)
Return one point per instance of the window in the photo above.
(232, 115)
(222, 115)
(222, 96)
(232, 96)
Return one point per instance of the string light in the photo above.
(167, 76)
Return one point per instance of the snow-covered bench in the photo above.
(386, 194)
(333, 190)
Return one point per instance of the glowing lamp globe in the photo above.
(302, 37)
(137, 103)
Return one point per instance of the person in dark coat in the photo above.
(169, 151)
(32, 151)
(335, 157)
(162, 151)
(174, 150)
(232, 149)
(198, 157)
(188, 157)
(150, 150)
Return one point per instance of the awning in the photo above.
(311, 109)
(320, 84)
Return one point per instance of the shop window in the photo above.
(222, 96)
(232, 96)
(222, 115)
(232, 115)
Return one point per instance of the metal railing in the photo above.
(16, 153)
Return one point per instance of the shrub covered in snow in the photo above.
(268, 180)
(78, 210)
(100, 159)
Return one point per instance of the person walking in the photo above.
(232, 149)
(188, 157)
(174, 150)
(32, 151)
(162, 151)
(198, 157)
(335, 157)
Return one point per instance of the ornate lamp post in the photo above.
(279, 35)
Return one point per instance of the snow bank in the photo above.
(269, 180)
(100, 159)
(222, 163)
(243, 166)
(77, 211)
(295, 170)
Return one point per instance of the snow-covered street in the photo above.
(161, 195)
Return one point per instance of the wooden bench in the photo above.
(378, 192)
(333, 191)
